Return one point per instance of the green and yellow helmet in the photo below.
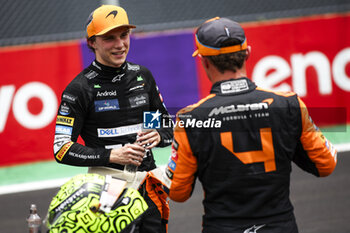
(94, 203)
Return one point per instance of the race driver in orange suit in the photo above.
(240, 141)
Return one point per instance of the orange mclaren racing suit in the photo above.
(240, 141)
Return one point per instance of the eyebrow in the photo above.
(127, 31)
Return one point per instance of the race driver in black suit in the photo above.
(105, 103)
(240, 141)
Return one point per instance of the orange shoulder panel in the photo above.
(281, 93)
(193, 106)
(185, 167)
(186, 163)
(318, 148)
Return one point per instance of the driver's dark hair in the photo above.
(91, 39)
(229, 61)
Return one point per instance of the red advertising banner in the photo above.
(310, 56)
(32, 79)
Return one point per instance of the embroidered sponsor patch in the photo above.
(64, 109)
(172, 164)
(253, 229)
(106, 93)
(92, 74)
(82, 156)
(63, 130)
(59, 141)
(138, 87)
(234, 86)
(116, 146)
(175, 144)
(63, 151)
(118, 77)
(168, 141)
(69, 98)
(106, 105)
(174, 155)
(62, 137)
(133, 67)
(62, 120)
(169, 173)
(119, 131)
(139, 100)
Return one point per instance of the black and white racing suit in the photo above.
(105, 106)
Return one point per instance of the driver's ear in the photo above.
(91, 42)
(248, 52)
(204, 61)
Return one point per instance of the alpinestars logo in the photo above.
(253, 229)
(117, 78)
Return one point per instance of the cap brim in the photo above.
(114, 27)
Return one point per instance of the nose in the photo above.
(118, 43)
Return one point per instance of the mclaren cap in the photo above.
(213, 32)
(106, 18)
